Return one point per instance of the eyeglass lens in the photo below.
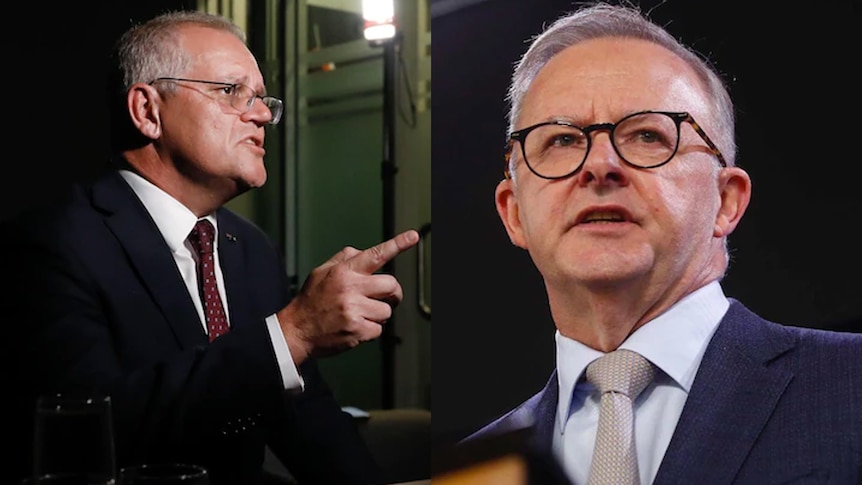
(644, 139)
(245, 97)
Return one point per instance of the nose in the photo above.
(603, 165)
(259, 112)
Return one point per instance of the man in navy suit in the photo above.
(106, 297)
(621, 184)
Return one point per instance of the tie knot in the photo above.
(201, 237)
(621, 371)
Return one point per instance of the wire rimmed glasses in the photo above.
(647, 139)
(239, 96)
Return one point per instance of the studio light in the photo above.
(379, 16)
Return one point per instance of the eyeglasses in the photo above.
(239, 96)
(648, 139)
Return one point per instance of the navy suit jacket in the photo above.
(770, 404)
(98, 306)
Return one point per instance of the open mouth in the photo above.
(604, 215)
(254, 141)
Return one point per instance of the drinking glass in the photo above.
(164, 474)
(63, 479)
(73, 441)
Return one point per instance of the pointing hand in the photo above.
(343, 302)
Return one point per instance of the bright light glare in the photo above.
(378, 11)
(379, 18)
(379, 32)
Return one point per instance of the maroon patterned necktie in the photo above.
(201, 239)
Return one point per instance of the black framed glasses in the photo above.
(647, 139)
(238, 96)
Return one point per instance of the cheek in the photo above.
(677, 204)
(686, 208)
(542, 208)
(214, 124)
(215, 142)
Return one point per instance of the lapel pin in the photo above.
(230, 237)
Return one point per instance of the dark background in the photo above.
(795, 256)
(54, 92)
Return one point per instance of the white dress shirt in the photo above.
(175, 221)
(675, 342)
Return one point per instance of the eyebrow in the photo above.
(244, 80)
(581, 122)
(259, 92)
(564, 119)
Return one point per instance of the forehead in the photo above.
(219, 53)
(604, 79)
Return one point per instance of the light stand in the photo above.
(380, 31)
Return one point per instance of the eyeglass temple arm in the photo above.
(510, 145)
(712, 146)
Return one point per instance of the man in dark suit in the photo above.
(107, 298)
(621, 183)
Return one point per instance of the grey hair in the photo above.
(152, 49)
(603, 20)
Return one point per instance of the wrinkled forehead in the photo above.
(603, 79)
(219, 53)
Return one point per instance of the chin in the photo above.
(604, 267)
(253, 179)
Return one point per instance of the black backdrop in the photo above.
(54, 103)
(795, 256)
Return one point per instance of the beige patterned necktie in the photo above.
(620, 376)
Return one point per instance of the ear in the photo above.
(142, 102)
(735, 190)
(508, 209)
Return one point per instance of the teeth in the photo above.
(603, 216)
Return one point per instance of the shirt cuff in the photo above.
(290, 378)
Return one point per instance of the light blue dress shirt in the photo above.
(675, 342)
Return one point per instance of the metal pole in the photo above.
(389, 340)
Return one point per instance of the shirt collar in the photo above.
(691, 322)
(174, 220)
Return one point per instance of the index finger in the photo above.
(373, 258)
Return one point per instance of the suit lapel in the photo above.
(739, 382)
(150, 256)
(231, 249)
(543, 409)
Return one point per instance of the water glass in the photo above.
(164, 474)
(73, 441)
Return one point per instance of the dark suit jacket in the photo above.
(98, 305)
(770, 404)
